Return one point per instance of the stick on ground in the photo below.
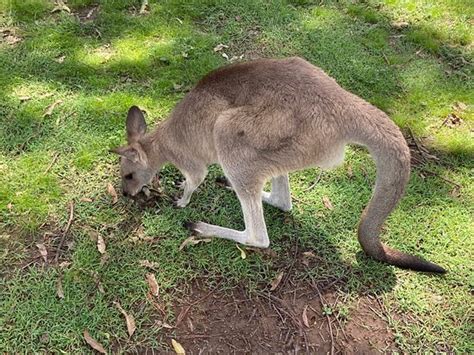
(68, 225)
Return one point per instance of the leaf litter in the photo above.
(305, 316)
(61, 6)
(151, 279)
(49, 110)
(193, 241)
(59, 288)
(276, 281)
(100, 244)
(43, 251)
(94, 344)
(178, 348)
(149, 264)
(112, 192)
(131, 327)
(327, 203)
(243, 255)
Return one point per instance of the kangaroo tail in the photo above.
(392, 156)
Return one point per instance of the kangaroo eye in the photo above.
(129, 176)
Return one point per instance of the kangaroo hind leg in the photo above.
(279, 196)
(255, 233)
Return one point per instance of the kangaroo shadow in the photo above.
(292, 234)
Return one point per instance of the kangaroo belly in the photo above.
(331, 157)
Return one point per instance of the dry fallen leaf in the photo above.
(400, 24)
(50, 108)
(178, 348)
(149, 264)
(98, 283)
(307, 255)
(220, 47)
(151, 279)
(112, 193)
(100, 244)
(64, 264)
(60, 6)
(453, 120)
(131, 327)
(59, 288)
(43, 251)
(94, 343)
(190, 324)
(182, 314)
(60, 59)
(305, 316)
(276, 281)
(327, 203)
(193, 241)
(159, 323)
(91, 12)
(349, 171)
(24, 98)
(460, 106)
(9, 36)
(177, 87)
(103, 259)
(455, 192)
(85, 199)
(236, 57)
(243, 255)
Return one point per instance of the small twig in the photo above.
(55, 158)
(384, 311)
(314, 183)
(205, 296)
(182, 315)
(68, 225)
(290, 268)
(386, 59)
(441, 177)
(444, 122)
(415, 141)
(35, 134)
(28, 264)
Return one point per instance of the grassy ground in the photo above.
(413, 59)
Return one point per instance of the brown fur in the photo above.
(260, 120)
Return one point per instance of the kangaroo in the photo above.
(260, 120)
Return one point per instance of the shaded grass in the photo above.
(117, 59)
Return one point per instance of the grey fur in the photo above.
(261, 120)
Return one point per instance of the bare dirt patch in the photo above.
(293, 320)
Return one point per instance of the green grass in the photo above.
(417, 72)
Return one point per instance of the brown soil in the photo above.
(274, 322)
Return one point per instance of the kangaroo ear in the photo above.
(136, 125)
(127, 152)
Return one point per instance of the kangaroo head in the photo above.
(135, 168)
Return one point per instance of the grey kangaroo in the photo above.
(260, 120)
